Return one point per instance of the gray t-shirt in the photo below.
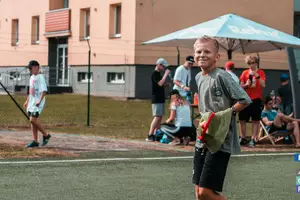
(218, 92)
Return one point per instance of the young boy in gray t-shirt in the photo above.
(217, 92)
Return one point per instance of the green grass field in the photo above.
(67, 113)
(248, 178)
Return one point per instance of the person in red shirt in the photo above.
(253, 80)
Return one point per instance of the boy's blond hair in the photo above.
(204, 39)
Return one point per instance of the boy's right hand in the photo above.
(25, 104)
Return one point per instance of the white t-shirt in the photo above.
(183, 115)
(37, 85)
(182, 75)
(235, 78)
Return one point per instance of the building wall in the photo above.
(152, 18)
(99, 85)
(156, 18)
(20, 55)
(104, 50)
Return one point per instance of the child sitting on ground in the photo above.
(182, 129)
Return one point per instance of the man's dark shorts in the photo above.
(274, 128)
(253, 111)
(33, 114)
(210, 169)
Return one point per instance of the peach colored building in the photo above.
(56, 33)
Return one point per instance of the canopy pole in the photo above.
(294, 81)
(178, 56)
(229, 54)
(258, 60)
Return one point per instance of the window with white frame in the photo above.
(117, 23)
(116, 77)
(82, 77)
(15, 32)
(85, 24)
(35, 30)
(115, 20)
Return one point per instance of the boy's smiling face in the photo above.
(206, 54)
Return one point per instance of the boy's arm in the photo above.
(261, 78)
(239, 106)
(42, 89)
(242, 81)
(26, 102)
(172, 116)
(266, 121)
(172, 113)
(235, 92)
(43, 94)
(163, 80)
(177, 77)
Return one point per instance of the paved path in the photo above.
(82, 143)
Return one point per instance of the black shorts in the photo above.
(253, 111)
(184, 131)
(210, 169)
(274, 128)
(33, 114)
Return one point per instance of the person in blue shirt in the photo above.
(275, 121)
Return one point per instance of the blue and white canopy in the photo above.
(234, 33)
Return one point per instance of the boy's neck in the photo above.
(208, 70)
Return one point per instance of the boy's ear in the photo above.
(217, 57)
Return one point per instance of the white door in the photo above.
(62, 70)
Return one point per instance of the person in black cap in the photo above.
(182, 77)
(158, 83)
(285, 94)
(35, 102)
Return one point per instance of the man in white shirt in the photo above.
(182, 77)
(229, 66)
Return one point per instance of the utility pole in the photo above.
(89, 84)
